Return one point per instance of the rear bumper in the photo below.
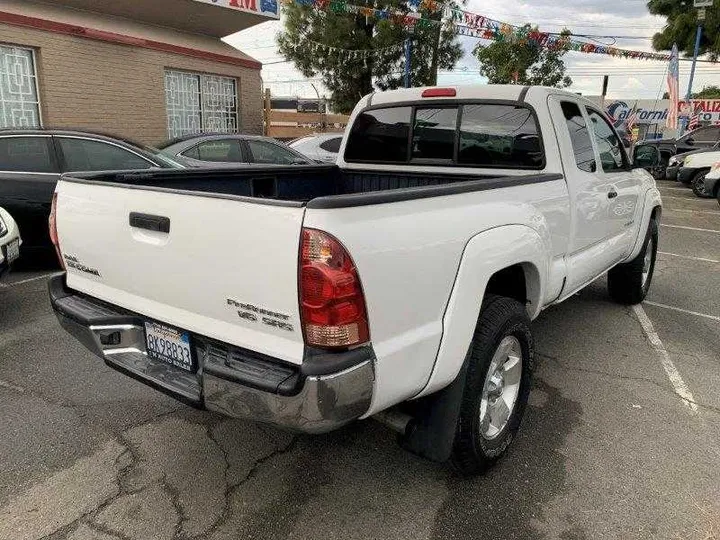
(230, 380)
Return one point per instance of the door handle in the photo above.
(612, 194)
(150, 222)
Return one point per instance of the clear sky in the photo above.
(627, 19)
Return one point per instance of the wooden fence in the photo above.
(291, 125)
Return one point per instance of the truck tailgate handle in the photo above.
(150, 222)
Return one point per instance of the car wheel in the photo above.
(497, 385)
(698, 185)
(629, 283)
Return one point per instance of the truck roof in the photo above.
(510, 92)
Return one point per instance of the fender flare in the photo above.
(484, 255)
(651, 202)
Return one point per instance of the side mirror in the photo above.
(593, 166)
(646, 157)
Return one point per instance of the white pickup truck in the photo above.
(398, 284)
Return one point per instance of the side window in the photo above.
(608, 143)
(494, 135)
(26, 154)
(91, 155)
(380, 135)
(331, 145)
(219, 150)
(434, 133)
(193, 152)
(579, 136)
(267, 152)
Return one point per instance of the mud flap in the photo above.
(431, 433)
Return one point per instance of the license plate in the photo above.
(12, 251)
(169, 345)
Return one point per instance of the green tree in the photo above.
(681, 26)
(523, 61)
(708, 92)
(348, 78)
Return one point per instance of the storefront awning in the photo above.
(216, 18)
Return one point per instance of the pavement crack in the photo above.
(664, 388)
(174, 495)
(106, 530)
(231, 489)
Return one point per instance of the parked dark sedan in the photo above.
(231, 150)
(31, 161)
(698, 139)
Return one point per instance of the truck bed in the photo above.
(321, 186)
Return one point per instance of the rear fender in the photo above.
(484, 255)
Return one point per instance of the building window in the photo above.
(19, 104)
(199, 103)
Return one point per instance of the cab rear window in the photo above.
(489, 135)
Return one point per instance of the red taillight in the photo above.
(332, 304)
(52, 224)
(439, 92)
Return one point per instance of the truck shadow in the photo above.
(357, 483)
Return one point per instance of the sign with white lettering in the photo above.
(268, 8)
(703, 3)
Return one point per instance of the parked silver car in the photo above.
(231, 149)
(320, 147)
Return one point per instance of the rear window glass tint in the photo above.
(494, 135)
(25, 154)
(434, 133)
(380, 135)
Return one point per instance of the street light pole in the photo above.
(698, 34)
(700, 5)
(408, 58)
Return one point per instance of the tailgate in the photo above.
(227, 268)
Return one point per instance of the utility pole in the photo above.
(604, 91)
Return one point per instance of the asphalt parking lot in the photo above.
(622, 438)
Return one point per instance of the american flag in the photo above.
(694, 121)
(632, 118)
(673, 82)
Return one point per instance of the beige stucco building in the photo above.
(144, 70)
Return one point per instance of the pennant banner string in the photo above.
(474, 25)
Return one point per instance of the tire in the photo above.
(629, 283)
(698, 185)
(502, 335)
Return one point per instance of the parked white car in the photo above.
(399, 284)
(9, 241)
(711, 183)
(695, 168)
(320, 147)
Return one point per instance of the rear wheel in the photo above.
(629, 283)
(496, 387)
(698, 185)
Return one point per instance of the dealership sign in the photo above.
(269, 8)
(656, 112)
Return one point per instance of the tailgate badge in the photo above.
(73, 262)
(256, 314)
